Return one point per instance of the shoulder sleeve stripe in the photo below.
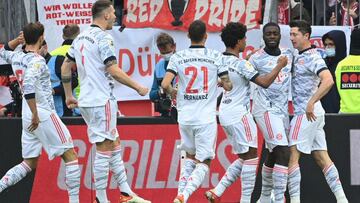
(171, 71)
(29, 96)
(223, 73)
(321, 69)
(254, 77)
(6, 47)
(110, 58)
(69, 57)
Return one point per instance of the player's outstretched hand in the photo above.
(71, 102)
(173, 93)
(34, 122)
(310, 112)
(282, 61)
(143, 91)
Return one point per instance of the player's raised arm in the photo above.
(6, 52)
(120, 76)
(266, 80)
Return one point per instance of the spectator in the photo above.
(335, 49)
(70, 32)
(166, 46)
(344, 17)
(348, 77)
(54, 62)
(283, 12)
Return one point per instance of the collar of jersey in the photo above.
(312, 47)
(273, 52)
(197, 46)
(67, 42)
(26, 52)
(93, 25)
(229, 54)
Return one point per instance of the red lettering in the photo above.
(52, 8)
(127, 52)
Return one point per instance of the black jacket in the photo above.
(331, 101)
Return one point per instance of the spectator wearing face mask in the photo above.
(166, 46)
(335, 50)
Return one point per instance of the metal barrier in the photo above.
(322, 6)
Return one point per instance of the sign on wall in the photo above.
(178, 14)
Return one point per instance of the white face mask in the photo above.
(330, 52)
(167, 56)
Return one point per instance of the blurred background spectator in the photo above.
(297, 11)
(343, 13)
(54, 61)
(335, 50)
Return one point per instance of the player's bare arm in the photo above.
(120, 76)
(166, 84)
(70, 101)
(326, 82)
(266, 80)
(226, 82)
(15, 42)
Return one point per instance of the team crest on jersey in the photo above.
(279, 136)
(301, 62)
(37, 65)
(248, 65)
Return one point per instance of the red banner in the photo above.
(151, 160)
(178, 14)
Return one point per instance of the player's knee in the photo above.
(106, 145)
(270, 160)
(190, 156)
(294, 156)
(321, 158)
(282, 155)
(69, 155)
(32, 162)
(251, 154)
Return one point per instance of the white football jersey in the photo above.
(198, 69)
(34, 78)
(273, 99)
(91, 50)
(305, 80)
(236, 103)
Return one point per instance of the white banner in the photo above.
(54, 15)
(137, 51)
(136, 48)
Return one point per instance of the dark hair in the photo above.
(303, 26)
(197, 31)
(233, 32)
(32, 32)
(99, 6)
(355, 42)
(164, 39)
(70, 31)
(270, 24)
